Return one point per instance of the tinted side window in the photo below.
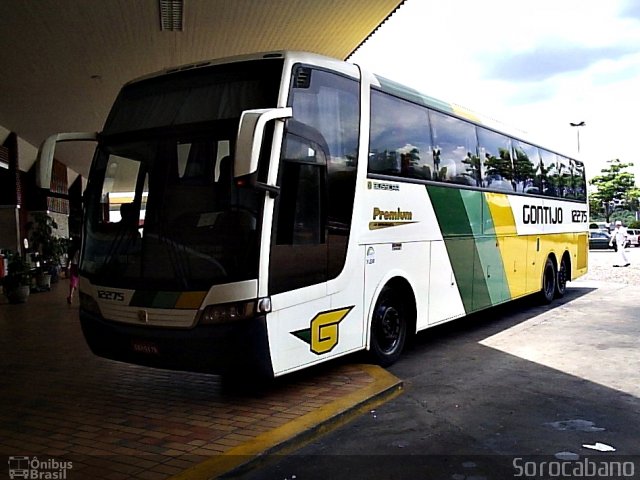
(565, 180)
(549, 173)
(578, 180)
(526, 161)
(400, 142)
(495, 154)
(302, 186)
(327, 111)
(455, 154)
(317, 175)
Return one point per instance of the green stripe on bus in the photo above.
(450, 210)
(456, 231)
(491, 258)
(142, 298)
(481, 247)
(473, 205)
(166, 299)
(469, 235)
(147, 299)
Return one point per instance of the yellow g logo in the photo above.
(323, 334)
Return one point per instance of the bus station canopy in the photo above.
(62, 62)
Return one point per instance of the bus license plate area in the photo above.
(145, 347)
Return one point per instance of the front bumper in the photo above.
(221, 349)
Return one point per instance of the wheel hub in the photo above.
(389, 330)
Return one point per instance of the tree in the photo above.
(473, 169)
(42, 238)
(499, 167)
(524, 171)
(615, 188)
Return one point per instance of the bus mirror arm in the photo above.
(47, 150)
(272, 190)
(250, 136)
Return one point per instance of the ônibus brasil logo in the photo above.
(32, 468)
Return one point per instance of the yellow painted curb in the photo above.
(296, 433)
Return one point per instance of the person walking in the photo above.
(74, 274)
(619, 236)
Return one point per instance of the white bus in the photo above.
(297, 208)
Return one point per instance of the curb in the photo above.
(298, 432)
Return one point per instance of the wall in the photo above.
(9, 237)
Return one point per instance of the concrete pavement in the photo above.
(521, 382)
(118, 421)
(496, 383)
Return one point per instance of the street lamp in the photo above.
(578, 125)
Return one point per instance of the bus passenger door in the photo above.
(299, 244)
(299, 258)
(311, 222)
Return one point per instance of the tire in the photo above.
(549, 277)
(561, 279)
(388, 328)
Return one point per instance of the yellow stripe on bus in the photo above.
(501, 213)
(190, 300)
(513, 249)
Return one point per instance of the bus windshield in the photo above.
(162, 208)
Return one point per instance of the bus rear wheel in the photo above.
(549, 279)
(561, 281)
(388, 328)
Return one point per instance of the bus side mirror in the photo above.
(47, 151)
(250, 136)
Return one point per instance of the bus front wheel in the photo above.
(388, 328)
(549, 279)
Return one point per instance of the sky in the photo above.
(532, 66)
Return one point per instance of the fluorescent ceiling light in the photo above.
(171, 14)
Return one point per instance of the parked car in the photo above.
(599, 239)
(633, 236)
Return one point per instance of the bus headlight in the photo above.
(89, 304)
(227, 312)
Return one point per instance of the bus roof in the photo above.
(385, 84)
(290, 55)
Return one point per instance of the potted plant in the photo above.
(61, 246)
(48, 246)
(17, 282)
